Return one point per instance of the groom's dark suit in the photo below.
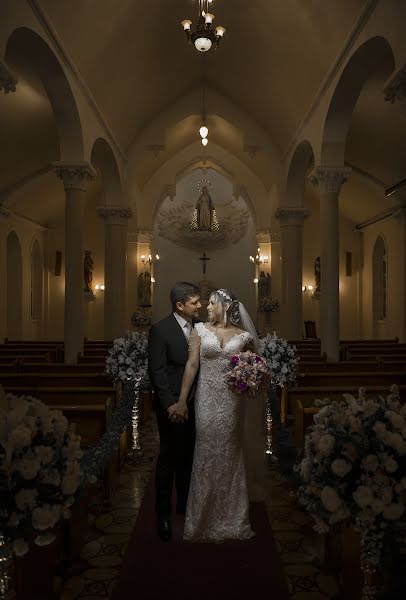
(167, 357)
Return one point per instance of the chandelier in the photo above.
(204, 35)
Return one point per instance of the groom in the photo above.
(167, 357)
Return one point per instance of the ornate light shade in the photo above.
(204, 36)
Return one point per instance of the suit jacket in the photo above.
(168, 352)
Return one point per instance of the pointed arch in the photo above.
(14, 287)
(379, 282)
(36, 283)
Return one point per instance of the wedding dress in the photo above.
(218, 501)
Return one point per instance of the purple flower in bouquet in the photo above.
(247, 373)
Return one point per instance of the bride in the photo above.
(218, 501)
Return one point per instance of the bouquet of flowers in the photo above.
(354, 467)
(268, 304)
(281, 358)
(128, 357)
(246, 373)
(39, 471)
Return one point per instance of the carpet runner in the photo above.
(178, 570)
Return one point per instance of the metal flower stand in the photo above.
(7, 572)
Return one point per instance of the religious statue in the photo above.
(88, 266)
(317, 273)
(205, 209)
(264, 285)
(144, 289)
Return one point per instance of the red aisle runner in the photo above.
(177, 570)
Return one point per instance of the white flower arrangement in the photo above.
(128, 357)
(39, 471)
(281, 358)
(268, 304)
(353, 469)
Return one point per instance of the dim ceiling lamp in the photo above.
(204, 130)
(204, 36)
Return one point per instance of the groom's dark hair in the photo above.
(182, 291)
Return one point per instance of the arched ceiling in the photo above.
(135, 59)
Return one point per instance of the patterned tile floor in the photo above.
(102, 557)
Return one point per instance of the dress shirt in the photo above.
(185, 325)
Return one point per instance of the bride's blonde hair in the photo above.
(232, 313)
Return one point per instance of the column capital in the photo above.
(75, 176)
(395, 88)
(115, 215)
(329, 179)
(8, 81)
(292, 215)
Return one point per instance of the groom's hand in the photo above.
(177, 413)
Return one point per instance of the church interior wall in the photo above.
(389, 229)
(228, 267)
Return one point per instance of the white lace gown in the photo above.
(217, 507)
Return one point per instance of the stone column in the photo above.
(75, 179)
(329, 180)
(115, 270)
(291, 221)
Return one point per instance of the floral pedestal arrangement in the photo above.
(39, 477)
(353, 473)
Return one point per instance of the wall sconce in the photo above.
(148, 261)
(256, 280)
(99, 288)
(259, 258)
(307, 288)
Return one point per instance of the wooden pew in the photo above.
(8, 367)
(399, 357)
(303, 404)
(37, 358)
(361, 379)
(369, 366)
(46, 379)
(87, 367)
(67, 395)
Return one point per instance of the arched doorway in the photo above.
(36, 290)
(379, 287)
(14, 287)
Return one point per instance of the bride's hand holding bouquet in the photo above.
(247, 373)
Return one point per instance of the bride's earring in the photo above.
(225, 318)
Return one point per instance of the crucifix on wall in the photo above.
(204, 260)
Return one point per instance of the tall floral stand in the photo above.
(7, 571)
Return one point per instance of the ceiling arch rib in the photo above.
(301, 163)
(373, 60)
(28, 51)
(102, 157)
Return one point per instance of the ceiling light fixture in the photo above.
(204, 36)
(204, 130)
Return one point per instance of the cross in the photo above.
(204, 260)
